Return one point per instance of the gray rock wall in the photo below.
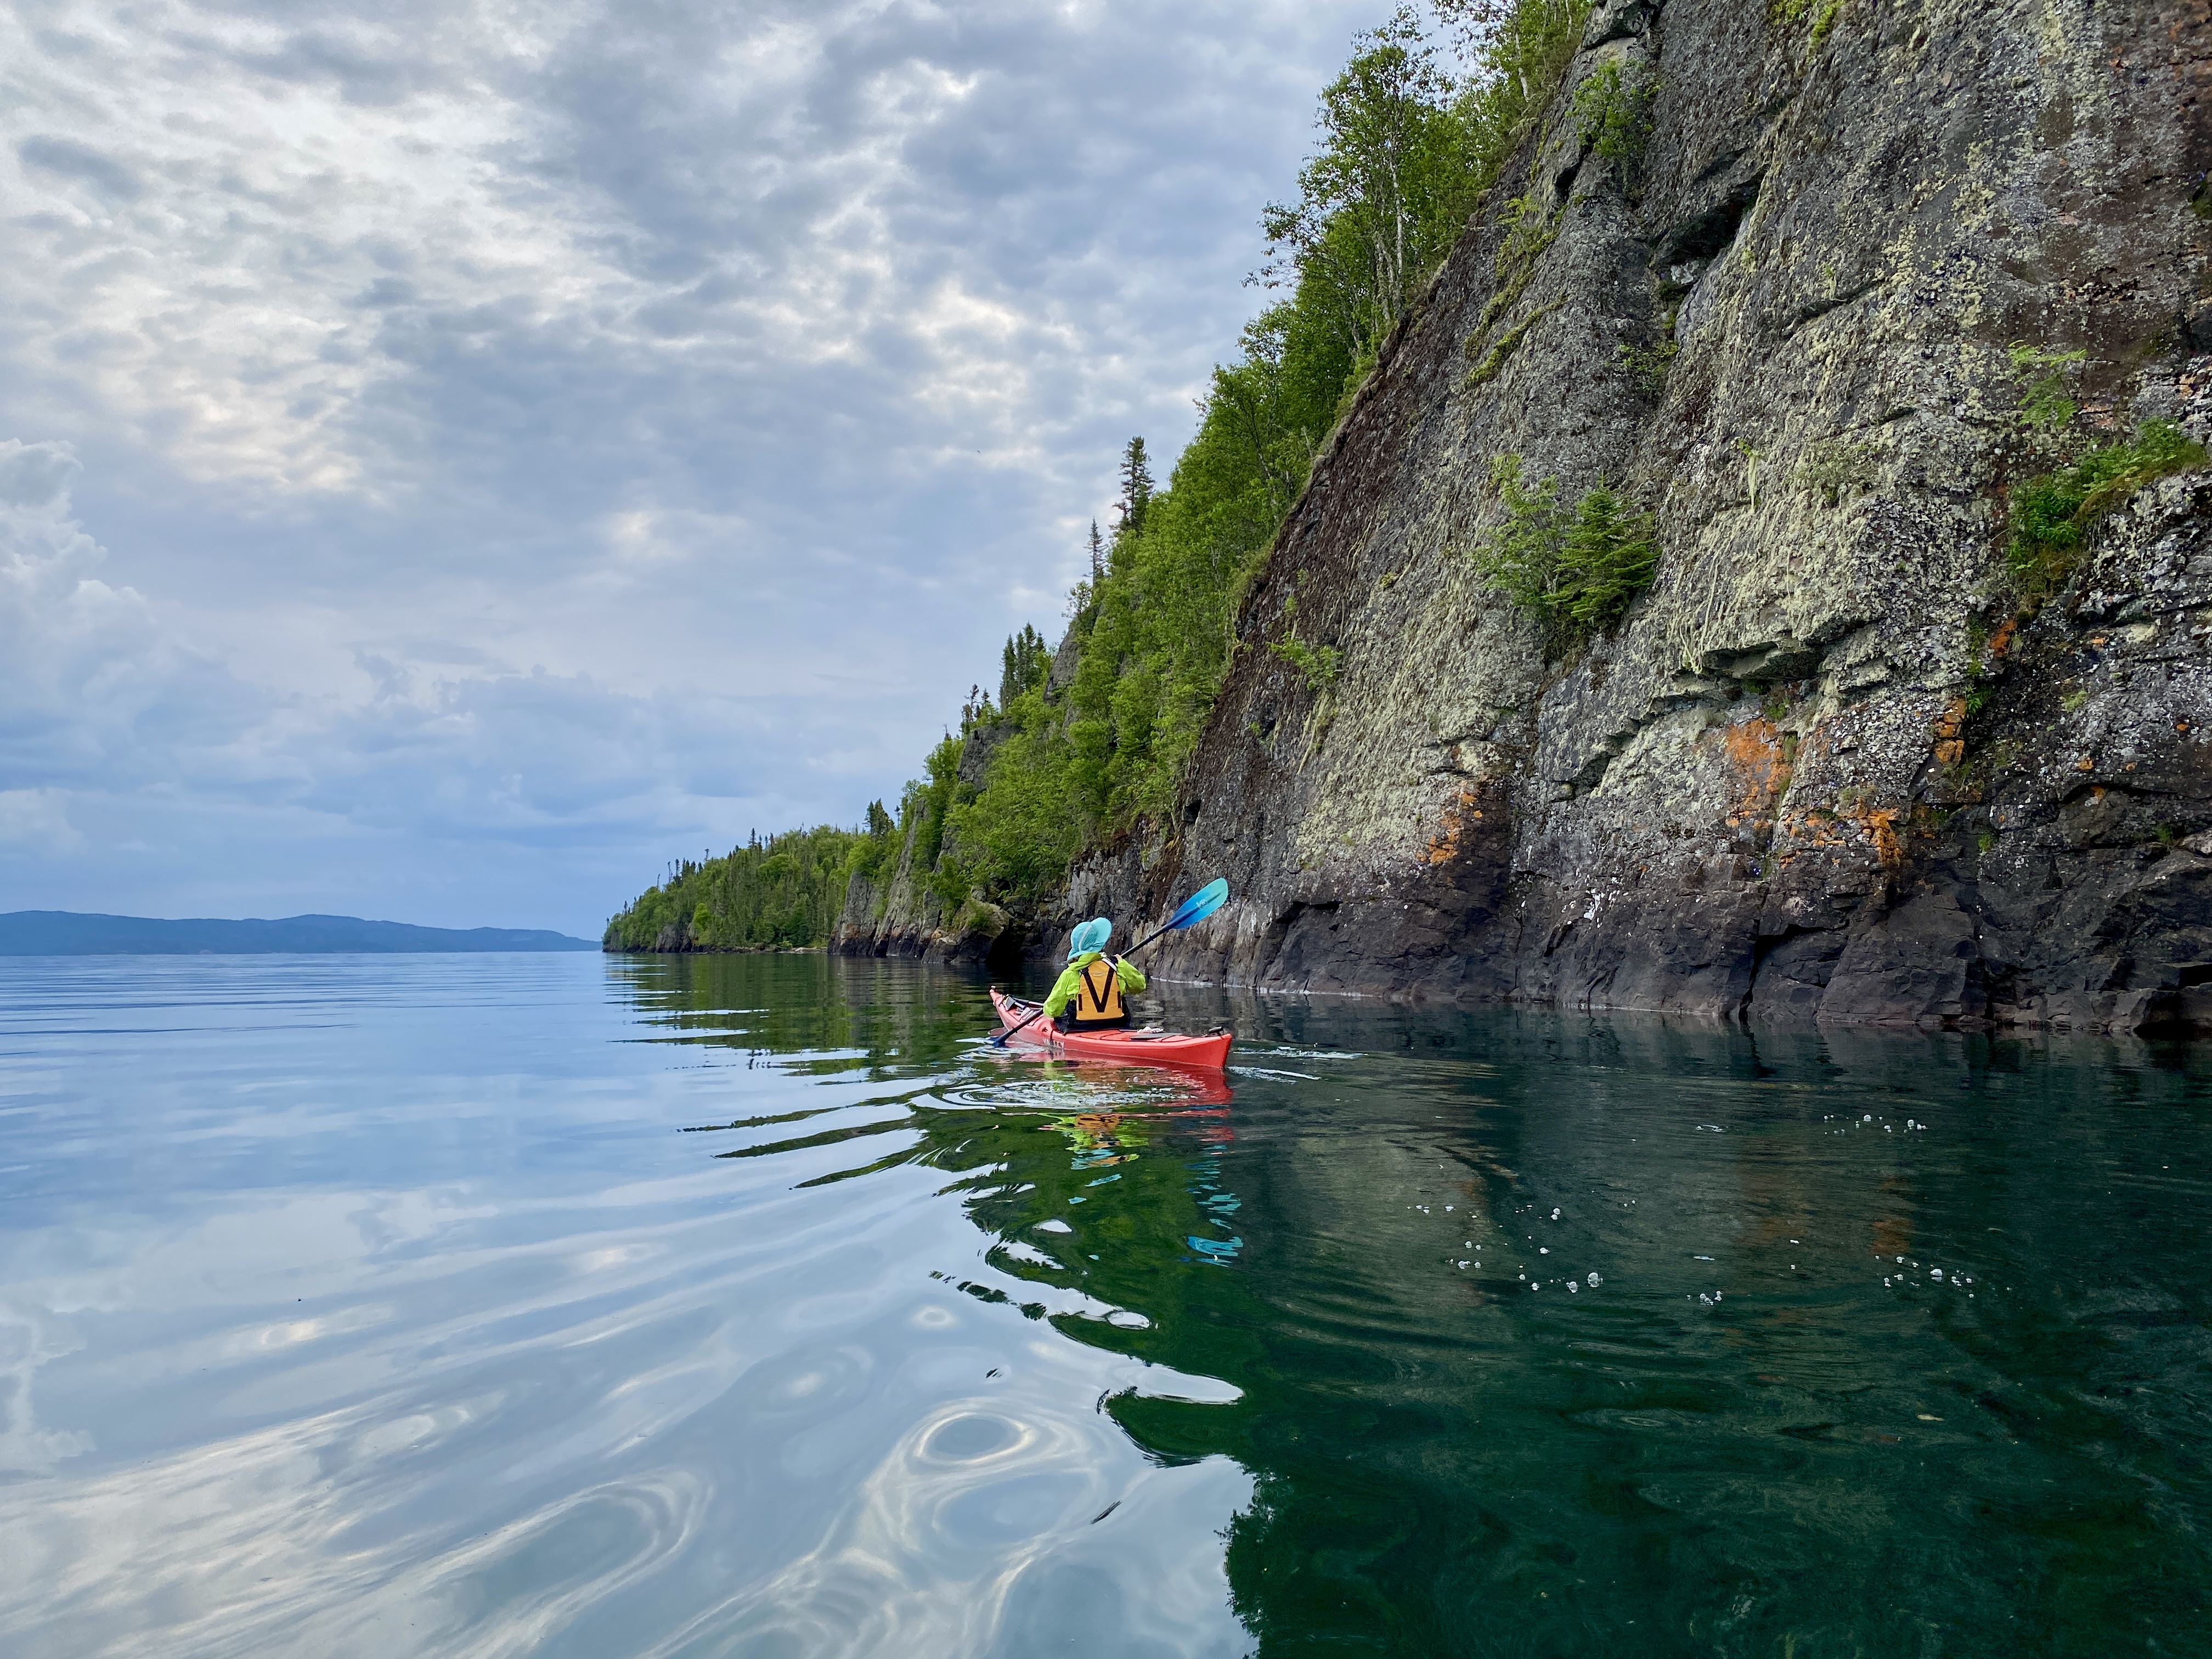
(1822, 769)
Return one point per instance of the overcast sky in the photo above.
(456, 457)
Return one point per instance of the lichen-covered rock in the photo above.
(1820, 768)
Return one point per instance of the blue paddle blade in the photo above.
(1200, 905)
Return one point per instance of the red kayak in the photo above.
(1127, 1044)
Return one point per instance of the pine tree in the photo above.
(1097, 556)
(1136, 490)
(1022, 665)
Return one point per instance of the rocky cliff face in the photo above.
(1836, 761)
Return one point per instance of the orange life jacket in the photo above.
(1097, 995)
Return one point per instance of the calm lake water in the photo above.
(507, 1305)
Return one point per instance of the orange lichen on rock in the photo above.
(1444, 846)
(1879, 823)
(1754, 750)
(1950, 748)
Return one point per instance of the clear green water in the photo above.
(745, 1306)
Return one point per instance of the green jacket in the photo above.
(1132, 978)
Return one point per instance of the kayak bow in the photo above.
(1128, 1044)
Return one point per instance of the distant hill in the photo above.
(66, 933)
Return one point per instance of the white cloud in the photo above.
(95, 688)
(37, 819)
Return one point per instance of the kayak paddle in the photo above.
(1195, 909)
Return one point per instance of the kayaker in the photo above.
(1089, 996)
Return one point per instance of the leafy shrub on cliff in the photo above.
(1318, 665)
(1577, 568)
(1613, 116)
(783, 892)
(1823, 14)
(2043, 376)
(1647, 367)
(2053, 515)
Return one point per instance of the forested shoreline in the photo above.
(783, 893)
(1089, 743)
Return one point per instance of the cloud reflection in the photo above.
(953, 1536)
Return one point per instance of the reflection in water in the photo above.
(758, 1308)
(1558, 1336)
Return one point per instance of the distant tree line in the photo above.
(781, 893)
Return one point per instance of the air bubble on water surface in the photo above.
(1543, 1249)
(1595, 1280)
(1571, 1285)
(1555, 1215)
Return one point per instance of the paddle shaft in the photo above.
(1154, 934)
